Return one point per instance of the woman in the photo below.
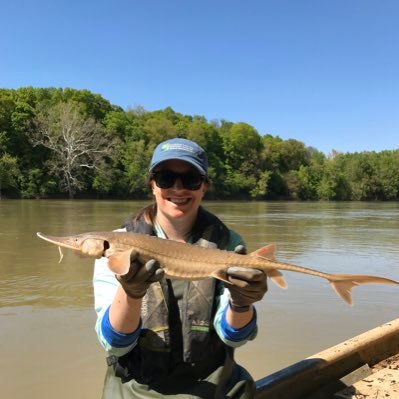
(175, 338)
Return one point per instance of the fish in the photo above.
(193, 262)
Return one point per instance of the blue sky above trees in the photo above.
(324, 73)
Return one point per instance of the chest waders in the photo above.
(178, 349)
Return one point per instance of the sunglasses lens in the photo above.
(191, 181)
(166, 179)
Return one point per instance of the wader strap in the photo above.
(119, 371)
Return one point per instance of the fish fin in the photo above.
(119, 263)
(277, 277)
(267, 252)
(343, 283)
(221, 275)
(343, 289)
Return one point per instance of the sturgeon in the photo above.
(193, 262)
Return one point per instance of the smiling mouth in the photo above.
(179, 201)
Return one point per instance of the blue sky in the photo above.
(322, 72)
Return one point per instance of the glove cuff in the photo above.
(239, 309)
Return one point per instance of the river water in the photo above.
(47, 340)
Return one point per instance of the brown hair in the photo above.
(148, 213)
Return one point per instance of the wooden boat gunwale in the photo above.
(331, 365)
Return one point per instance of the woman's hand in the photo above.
(139, 277)
(247, 285)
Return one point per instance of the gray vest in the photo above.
(177, 333)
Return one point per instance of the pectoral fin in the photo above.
(277, 277)
(119, 263)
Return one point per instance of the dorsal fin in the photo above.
(267, 252)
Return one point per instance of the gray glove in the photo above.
(140, 276)
(247, 285)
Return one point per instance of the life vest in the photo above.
(178, 337)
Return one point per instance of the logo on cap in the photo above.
(177, 147)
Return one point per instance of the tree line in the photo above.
(57, 143)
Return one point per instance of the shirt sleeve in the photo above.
(105, 286)
(116, 338)
(230, 336)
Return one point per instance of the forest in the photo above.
(68, 143)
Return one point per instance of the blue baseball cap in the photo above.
(182, 149)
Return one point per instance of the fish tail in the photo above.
(343, 283)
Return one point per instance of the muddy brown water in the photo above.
(47, 340)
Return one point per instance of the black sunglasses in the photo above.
(166, 179)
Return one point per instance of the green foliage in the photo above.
(9, 172)
(113, 162)
(105, 179)
(136, 158)
(260, 188)
(242, 146)
(386, 171)
(35, 183)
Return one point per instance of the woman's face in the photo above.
(177, 201)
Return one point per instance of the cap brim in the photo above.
(184, 159)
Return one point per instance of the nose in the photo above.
(178, 185)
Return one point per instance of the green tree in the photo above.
(242, 163)
(9, 172)
(107, 179)
(292, 155)
(387, 174)
(207, 136)
(158, 129)
(310, 176)
(361, 176)
(260, 189)
(125, 125)
(36, 183)
(242, 150)
(136, 158)
(335, 181)
(240, 143)
(90, 104)
(287, 161)
(7, 106)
